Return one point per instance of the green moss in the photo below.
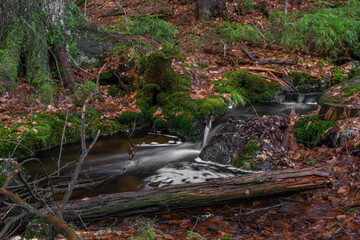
(160, 124)
(339, 76)
(245, 158)
(185, 124)
(45, 131)
(208, 106)
(127, 118)
(252, 87)
(158, 70)
(304, 81)
(151, 87)
(308, 130)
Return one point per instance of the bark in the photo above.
(209, 8)
(331, 111)
(214, 192)
(35, 32)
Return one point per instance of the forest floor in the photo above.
(327, 213)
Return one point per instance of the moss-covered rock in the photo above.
(342, 93)
(304, 81)
(158, 70)
(252, 87)
(309, 130)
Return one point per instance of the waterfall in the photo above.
(206, 133)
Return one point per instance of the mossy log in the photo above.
(331, 111)
(214, 192)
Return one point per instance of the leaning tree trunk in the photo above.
(34, 32)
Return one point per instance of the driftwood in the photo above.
(331, 111)
(218, 191)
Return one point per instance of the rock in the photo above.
(223, 147)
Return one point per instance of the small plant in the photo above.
(147, 231)
(329, 31)
(192, 235)
(236, 32)
(339, 76)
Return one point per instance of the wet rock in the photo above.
(223, 147)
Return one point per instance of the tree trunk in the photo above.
(209, 8)
(218, 191)
(35, 32)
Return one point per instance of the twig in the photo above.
(344, 230)
(259, 210)
(85, 224)
(127, 26)
(85, 8)
(47, 176)
(261, 34)
(98, 78)
(93, 75)
(18, 144)
(84, 153)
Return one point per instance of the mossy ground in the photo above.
(308, 130)
(245, 159)
(44, 131)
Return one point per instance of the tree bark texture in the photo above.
(209, 8)
(218, 191)
(31, 28)
(331, 111)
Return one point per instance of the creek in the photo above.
(161, 159)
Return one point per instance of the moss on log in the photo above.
(218, 191)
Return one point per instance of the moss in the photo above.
(245, 158)
(127, 118)
(252, 87)
(308, 130)
(210, 106)
(185, 124)
(304, 81)
(152, 87)
(37, 229)
(158, 70)
(44, 131)
(339, 76)
(160, 124)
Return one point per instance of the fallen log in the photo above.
(331, 111)
(214, 192)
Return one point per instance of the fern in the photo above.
(328, 31)
(237, 32)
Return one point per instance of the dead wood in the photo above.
(332, 111)
(214, 192)
(261, 69)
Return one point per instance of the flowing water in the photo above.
(161, 160)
